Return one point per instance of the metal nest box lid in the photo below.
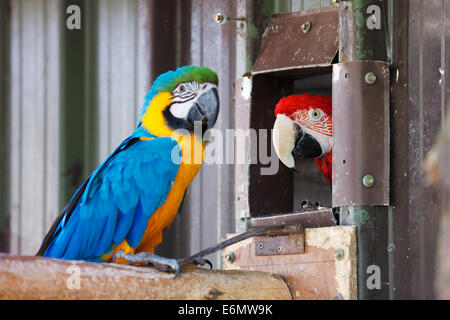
(304, 39)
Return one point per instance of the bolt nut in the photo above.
(306, 27)
(368, 181)
(370, 78)
(339, 254)
(229, 257)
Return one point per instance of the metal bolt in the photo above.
(368, 181)
(339, 254)
(371, 78)
(279, 248)
(261, 245)
(221, 18)
(306, 27)
(229, 257)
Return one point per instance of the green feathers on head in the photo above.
(169, 80)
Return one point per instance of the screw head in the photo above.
(220, 18)
(339, 254)
(279, 248)
(368, 181)
(261, 245)
(371, 78)
(306, 27)
(229, 257)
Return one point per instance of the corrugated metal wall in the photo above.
(33, 146)
(74, 96)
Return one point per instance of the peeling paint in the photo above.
(345, 269)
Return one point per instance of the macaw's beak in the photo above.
(292, 143)
(205, 110)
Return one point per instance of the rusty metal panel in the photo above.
(361, 150)
(299, 39)
(420, 92)
(307, 219)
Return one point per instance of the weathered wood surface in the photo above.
(316, 274)
(437, 168)
(29, 277)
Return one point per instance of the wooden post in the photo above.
(30, 277)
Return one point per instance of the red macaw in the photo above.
(303, 129)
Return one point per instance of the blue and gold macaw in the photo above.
(119, 213)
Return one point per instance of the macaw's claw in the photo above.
(147, 258)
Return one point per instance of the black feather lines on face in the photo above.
(177, 123)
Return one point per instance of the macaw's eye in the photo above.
(182, 88)
(315, 114)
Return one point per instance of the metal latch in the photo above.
(285, 241)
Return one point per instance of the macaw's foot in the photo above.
(147, 258)
(307, 205)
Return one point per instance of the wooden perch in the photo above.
(30, 277)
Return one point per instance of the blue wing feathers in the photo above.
(118, 200)
(138, 227)
(124, 225)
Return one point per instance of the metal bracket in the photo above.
(291, 238)
(361, 133)
(281, 242)
(297, 40)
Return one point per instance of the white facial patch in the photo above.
(183, 102)
(181, 110)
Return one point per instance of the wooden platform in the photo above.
(30, 277)
(326, 269)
